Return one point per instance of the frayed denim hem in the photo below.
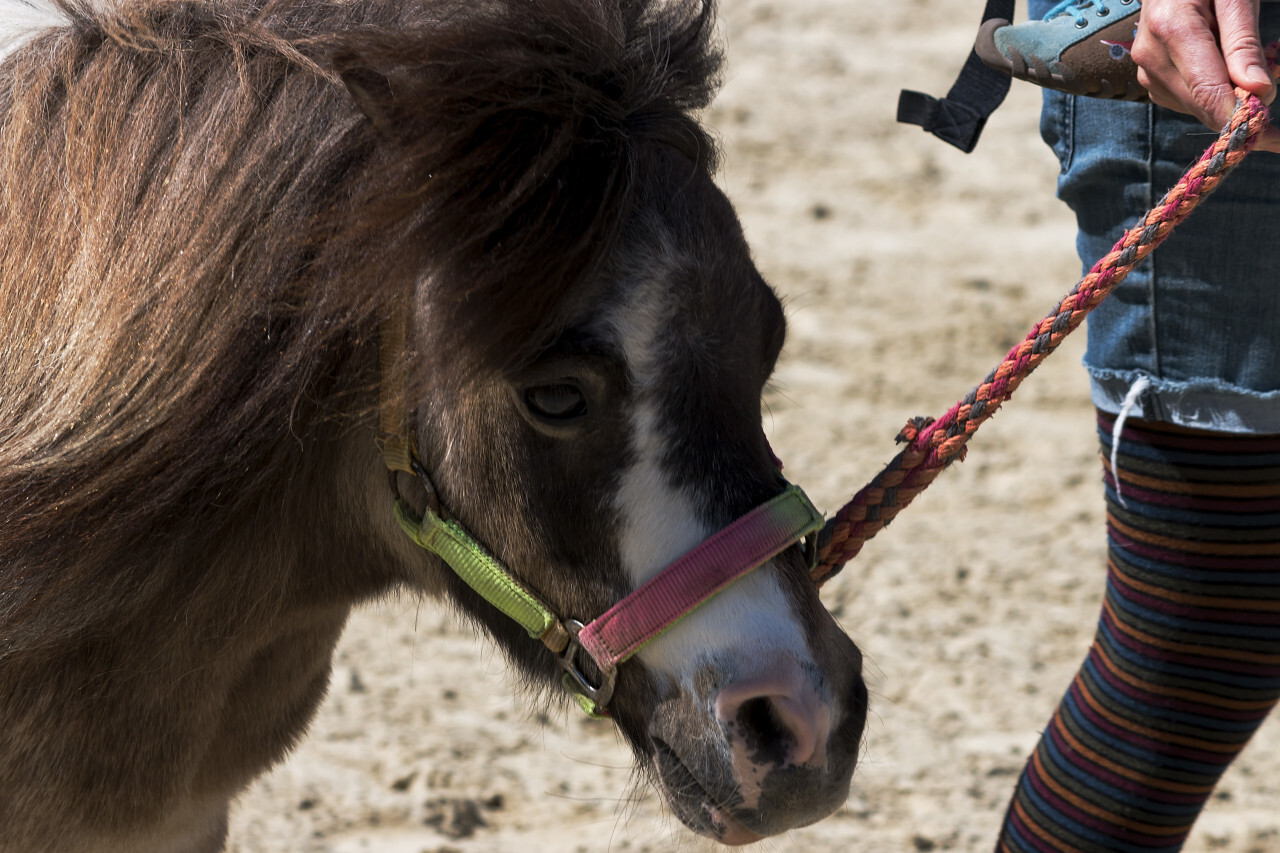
(1206, 404)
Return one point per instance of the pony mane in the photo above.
(201, 227)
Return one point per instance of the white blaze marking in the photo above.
(752, 618)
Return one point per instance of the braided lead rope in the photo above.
(933, 445)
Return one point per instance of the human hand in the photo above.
(1192, 53)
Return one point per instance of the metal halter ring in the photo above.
(423, 479)
(576, 681)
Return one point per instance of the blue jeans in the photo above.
(1200, 318)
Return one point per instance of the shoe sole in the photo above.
(1035, 70)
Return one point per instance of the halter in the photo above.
(622, 630)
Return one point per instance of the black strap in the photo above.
(960, 116)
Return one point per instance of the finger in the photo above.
(1184, 66)
(1157, 73)
(1151, 55)
(1206, 81)
(1242, 47)
(1269, 141)
(1175, 96)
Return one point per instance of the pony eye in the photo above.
(556, 402)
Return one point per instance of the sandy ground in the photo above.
(909, 268)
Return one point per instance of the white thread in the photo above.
(1136, 390)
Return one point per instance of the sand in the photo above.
(908, 269)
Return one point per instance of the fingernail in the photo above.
(1257, 74)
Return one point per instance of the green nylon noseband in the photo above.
(451, 543)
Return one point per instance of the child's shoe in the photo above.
(1080, 47)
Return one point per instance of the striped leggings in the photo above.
(1185, 664)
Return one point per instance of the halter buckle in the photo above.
(429, 498)
(577, 683)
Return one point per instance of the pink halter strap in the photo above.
(730, 553)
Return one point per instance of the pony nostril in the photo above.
(762, 725)
(775, 729)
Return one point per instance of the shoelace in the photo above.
(1076, 8)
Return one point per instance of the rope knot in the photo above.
(912, 429)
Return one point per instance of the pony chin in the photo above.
(726, 830)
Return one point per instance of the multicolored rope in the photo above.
(932, 445)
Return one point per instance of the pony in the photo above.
(213, 211)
